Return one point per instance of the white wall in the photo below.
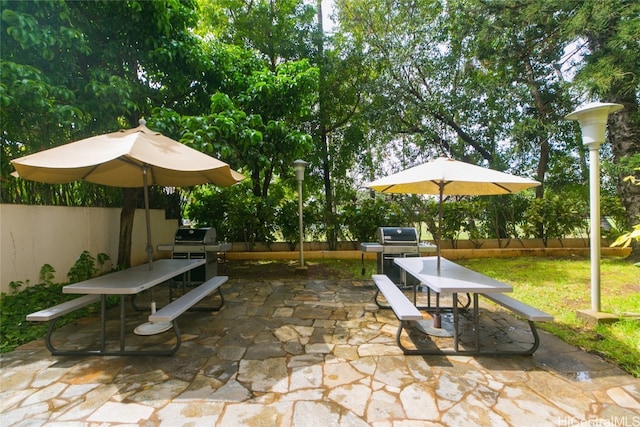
(31, 236)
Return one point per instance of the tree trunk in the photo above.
(543, 164)
(624, 134)
(543, 114)
(130, 198)
(329, 217)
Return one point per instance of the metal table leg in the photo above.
(455, 322)
(103, 322)
(476, 321)
(122, 322)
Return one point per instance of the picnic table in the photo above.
(123, 283)
(453, 279)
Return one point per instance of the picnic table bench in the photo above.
(175, 308)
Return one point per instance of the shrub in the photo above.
(15, 330)
(363, 218)
(554, 217)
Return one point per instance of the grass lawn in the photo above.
(562, 286)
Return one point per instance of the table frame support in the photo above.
(477, 351)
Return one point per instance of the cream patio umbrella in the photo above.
(137, 157)
(445, 176)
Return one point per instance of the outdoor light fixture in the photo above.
(593, 122)
(298, 167)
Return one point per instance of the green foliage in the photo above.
(287, 219)
(503, 216)
(47, 274)
(260, 86)
(363, 217)
(625, 239)
(260, 128)
(279, 31)
(85, 267)
(14, 308)
(472, 225)
(615, 214)
(315, 223)
(454, 219)
(612, 31)
(15, 330)
(75, 69)
(236, 213)
(554, 217)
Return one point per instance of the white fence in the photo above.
(32, 236)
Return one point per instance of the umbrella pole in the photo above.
(149, 248)
(437, 320)
(439, 223)
(150, 328)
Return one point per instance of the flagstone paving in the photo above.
(309, 352)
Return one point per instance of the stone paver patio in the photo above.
(309, 352)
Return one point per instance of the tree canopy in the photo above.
(259, 84)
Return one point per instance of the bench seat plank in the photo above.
(175, 308)
(62, 309)
(520, 308)
(401, 305)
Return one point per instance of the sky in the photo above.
(327, 10)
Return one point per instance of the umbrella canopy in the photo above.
(117, 159)
(136, 157)
(451, 177)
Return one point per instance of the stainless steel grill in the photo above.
(198, 243)
(396, 242)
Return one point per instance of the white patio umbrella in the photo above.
(445, 176)
(137, 157)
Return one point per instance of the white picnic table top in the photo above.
(134, 280)
(451, 278)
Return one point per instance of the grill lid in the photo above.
(397, 235)
(189, 236)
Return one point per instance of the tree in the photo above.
(519, 42)
(80, 68)
(609, 33)
(280, 30)
(420, 74)
(438, 61)
(258, 136)
(339, 131)
(627, 239)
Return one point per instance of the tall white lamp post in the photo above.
(299, 166)
(593, 122)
